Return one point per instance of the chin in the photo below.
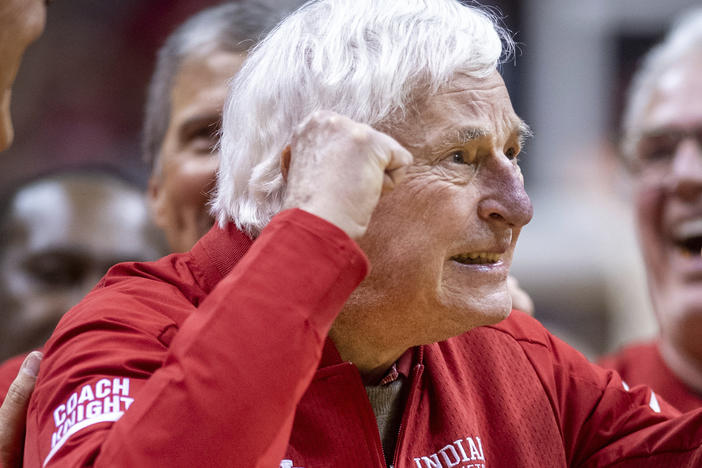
(496, 314)
(477, 313)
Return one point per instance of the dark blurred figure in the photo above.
(60, 233)
(663, 145)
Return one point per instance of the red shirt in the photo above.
(218, 357)
(642, 364)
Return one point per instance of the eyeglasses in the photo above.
(654, 151)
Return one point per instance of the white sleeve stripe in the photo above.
(107, 417)
(653, 403)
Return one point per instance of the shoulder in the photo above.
(180, 272)
(523, 339)
(523, 329)
(515, 338)
(135, 307)
(142, 293)
(515, 349)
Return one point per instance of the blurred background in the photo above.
(79, 95)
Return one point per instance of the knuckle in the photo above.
(407, 156)
(360, 135)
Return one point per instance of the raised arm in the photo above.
(123, 384)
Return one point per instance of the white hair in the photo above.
(684, 39)
(364, 59)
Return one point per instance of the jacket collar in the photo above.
(218, 251)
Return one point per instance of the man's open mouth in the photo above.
(687, 237)
(479, 258)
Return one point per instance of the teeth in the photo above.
(478, 258)
(687, 237)
(687, 229)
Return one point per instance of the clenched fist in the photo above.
(338, 169)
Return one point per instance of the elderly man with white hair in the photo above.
(663, 143)
(350, 307)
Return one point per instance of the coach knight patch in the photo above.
(104, 401)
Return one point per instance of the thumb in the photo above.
(397, 166)
(13, 411)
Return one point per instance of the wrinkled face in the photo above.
(64, 236)
(441, 243)
(669, 201)
(179, 189)
(21, 22)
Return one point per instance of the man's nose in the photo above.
(504, 198)
(685, 178)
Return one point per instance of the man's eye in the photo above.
(204, 140)
(656, 154)
(656, 149)
(203, 132)
(458, 157)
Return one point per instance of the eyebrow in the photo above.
(467, 134)
(524, 132)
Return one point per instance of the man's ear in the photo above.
(285, 162)
(155, 200)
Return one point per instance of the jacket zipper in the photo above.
(414, 382)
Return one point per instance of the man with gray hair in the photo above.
(184, 106)
(663, 143)
(357, 133)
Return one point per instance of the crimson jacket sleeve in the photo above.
(119, 386)
(604, 422)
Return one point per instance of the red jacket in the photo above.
(203, 359)
(642, 364)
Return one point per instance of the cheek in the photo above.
(410, 231)
(649, 201)
(191, 181)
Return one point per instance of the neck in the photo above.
(683, 366)
(373, 359)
